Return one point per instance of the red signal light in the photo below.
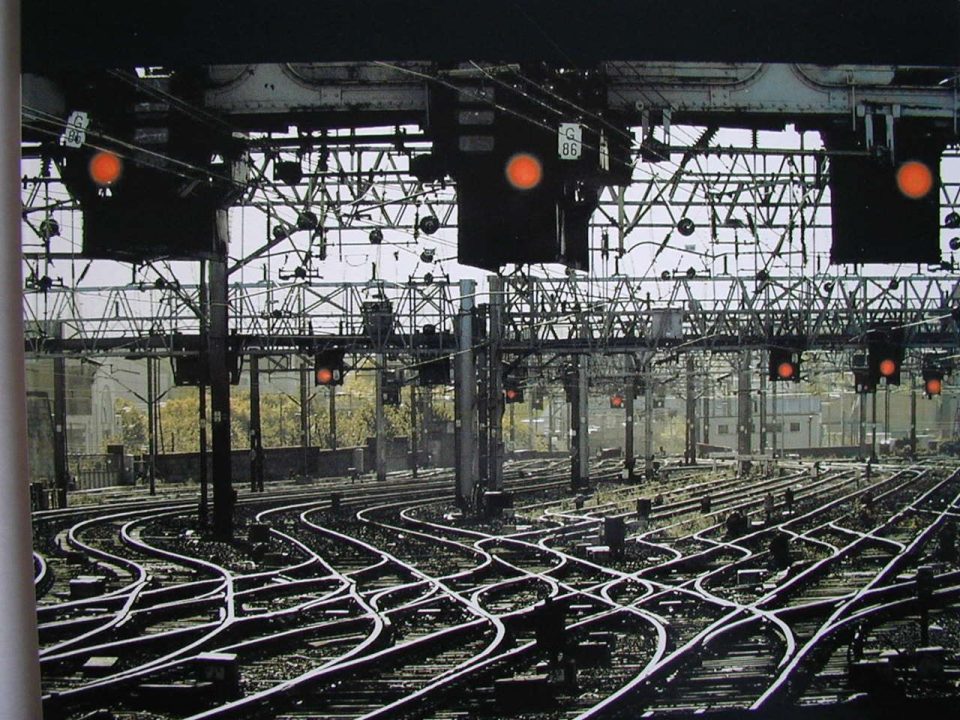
(786, 370)
(616, 401)
(105, 168)
(512, 394)
(914, 179)
(324, 376)
(887, 367)
(933, 386)
(524, 171)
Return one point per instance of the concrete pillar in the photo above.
(19, 667)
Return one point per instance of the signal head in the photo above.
(887, 367)
(933, 386)
(523, 171)
(105, 168)
(786, 370)
(324, 376)
(914, 179)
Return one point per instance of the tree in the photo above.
(132, 426)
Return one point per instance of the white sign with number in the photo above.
(570, 141)
(75, 133)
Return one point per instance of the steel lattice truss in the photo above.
(277, 316)
(620, 313)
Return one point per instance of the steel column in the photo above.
(647, 422)
(223, 493)
(61, 466)
(691, 410)
(333, 417)
(629, 461)
(204, 499)
(495, 404)
(152, 424)
(913, 420)
(202, 393)
(744, 405)
(256, 431)
(305, 372)
(413, 429)
(380, 430)
(465, 400)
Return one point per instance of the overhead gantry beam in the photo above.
(314, 95)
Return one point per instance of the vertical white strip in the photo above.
(19, 668)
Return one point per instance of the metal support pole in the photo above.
(913, 421)
(381, 433)
(152, 424)
(629, 459)
(531, 426)
(304, 417)
(886, 414)
(223, 493)
(647, 422)
(465, 400)
(706, 418)
(256, 431)
(481, 364)
(204, 510)
(413, 429)
(61, 466)
(333, 417)
(862, 400)
(495, 402)
(204, 499)
(20, 674)
(513, 428)
(579, 427)
(691, 410)
(550, 422)
(873, 434)
(762, 408)
(744, 406)
(775, 421)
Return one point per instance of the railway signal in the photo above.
(932, 372)
(884, 360)
(512, 391)
(616, 401)
(784, 364)
(328, 368)
(885, 198)
(141, 169)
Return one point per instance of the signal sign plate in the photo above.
(570, 141)
(74, 135)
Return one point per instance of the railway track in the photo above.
(365, 601)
